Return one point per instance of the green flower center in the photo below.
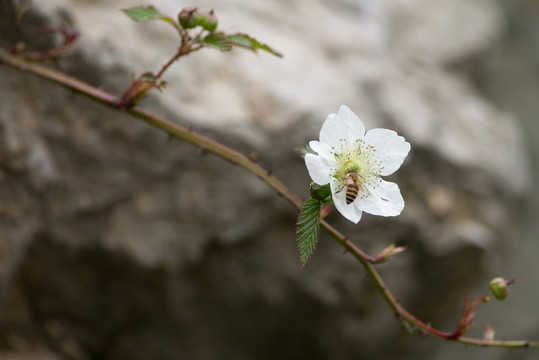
(359, 157)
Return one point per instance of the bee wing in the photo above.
(340, 188)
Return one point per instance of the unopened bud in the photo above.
(500, 287)
(207, 20)
(188, 17)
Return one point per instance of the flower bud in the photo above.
(187, 17)
(500, 287)
(207, 20)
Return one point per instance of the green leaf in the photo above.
(217, 40)
(308, 229)
(248, 42)
(321, 193)
(143, 13)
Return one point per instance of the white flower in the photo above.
(352, 161)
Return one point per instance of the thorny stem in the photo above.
(237, 158)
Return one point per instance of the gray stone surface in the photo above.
(116, 242)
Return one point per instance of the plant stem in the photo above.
(185, 48)
(237, 158)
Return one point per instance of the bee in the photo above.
(353, 184)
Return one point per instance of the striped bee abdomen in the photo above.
(352, 186)
(351, 193)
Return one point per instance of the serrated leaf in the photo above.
(248, 42)
(308, 229)
(143, 13)
(218, 41)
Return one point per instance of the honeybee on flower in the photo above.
(349, 158)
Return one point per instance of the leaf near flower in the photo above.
(308, 229)
(321, 193)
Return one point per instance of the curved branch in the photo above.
(239, 159)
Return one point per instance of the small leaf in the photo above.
(248, 42)
(143, 13)
(218, 41)
(138, 89)
(391, 250)
(308, 229)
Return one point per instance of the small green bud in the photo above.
(188, 17)
(500, 287)
(208, 21)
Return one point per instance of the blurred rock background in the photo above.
(117, 242)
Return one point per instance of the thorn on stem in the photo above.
(201, 150)
(254, 156)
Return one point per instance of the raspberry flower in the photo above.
(352, 162)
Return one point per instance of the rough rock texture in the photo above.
(116, 242)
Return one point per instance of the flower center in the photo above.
(361, 158)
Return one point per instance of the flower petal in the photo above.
(319, 166)
(349, 211)
(390, 148)
(324, 150)
(345, 125)
(384, 200)
(318, 169)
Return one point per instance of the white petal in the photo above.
(345, 125)
(324, 150)
(390, 147)
(320, 166)
(349, 211)
(384, 200)
(318, 169)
